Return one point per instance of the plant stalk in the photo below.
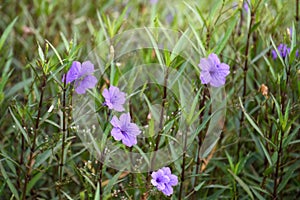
(32, 149)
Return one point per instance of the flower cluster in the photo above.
(213, 72)
(283, 51)
(163, 180)
(123, 129)
(82, 75)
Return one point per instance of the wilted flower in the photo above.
(114, 98)
(124, 130)
(163, 180)
(212, 71)
(82, 75)
(264, 90)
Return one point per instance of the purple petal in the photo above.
(204, 64)
(246, 6)
(161, 186)
(168, 190)
(166, 170)
(105, 93)
(125, 119)
(154, 183)
(154, 175)
(223, 70)
(133, 129)
(205, 77)
(117, 107)
(213, 58)
(73, 72)
(115, 122)
(173, 180)
(129, 140)
(274, 54)
(117, 134)
(87, 68)
(82, 85)
(217, 81)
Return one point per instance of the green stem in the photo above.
(32, 149)
(183, 164)
(64, 128)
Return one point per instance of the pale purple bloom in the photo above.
(153, 1)
(283, 51)
(246, 5)
(124, 130)
(114, 98)
(169, 18)
(82, 74)
(212, 71)
(163, 180)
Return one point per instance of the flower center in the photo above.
(158, 180)
(113, 99)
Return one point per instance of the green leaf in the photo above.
(68, 197)
(243, 184)
(257, 194)
(97, 194)
(13, 90)
(253, 124)
(41, 53)
(266, 153)
(221, 45)
(111, 183)
(56, 53)
(6, 32)
(197, 13)
(33, 181)
(255, 26)
(199, 186)
(285, 180)
(9, 182)
(21, 129)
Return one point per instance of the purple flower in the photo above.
(246, 5)
(283, 50)
(153, 1)
(212, 71)
(163, 180)
(82, 75)
(124, 130)
(114, 98)
(169, 18)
